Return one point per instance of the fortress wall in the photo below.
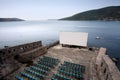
(106, 68)
(12, 51)
(29, 55)
(29, 51)
(51, 45)
(109, 69)
(102, 52)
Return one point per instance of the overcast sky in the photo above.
(49, 9)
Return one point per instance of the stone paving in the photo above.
(81, 56)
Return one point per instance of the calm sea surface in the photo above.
(15, 33)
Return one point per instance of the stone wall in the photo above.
(11, 57)
(12, 51)
(106, 68)
(28, 56)
(51, 45)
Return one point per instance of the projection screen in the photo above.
(73, 38)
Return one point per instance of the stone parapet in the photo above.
(105, 67)
(12, 51)
(11, 57)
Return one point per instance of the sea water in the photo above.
(16, 33)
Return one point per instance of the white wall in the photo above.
(73, 38)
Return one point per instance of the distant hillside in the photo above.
(10, 19)
(107, 13)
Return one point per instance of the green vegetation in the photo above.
(10, 19)
(107, 13)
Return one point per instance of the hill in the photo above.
(107, 13)
(10, 19)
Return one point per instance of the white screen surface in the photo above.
(73, 38)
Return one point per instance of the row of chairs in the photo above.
(28, 76)
(42, 66)
(48, 61)
(39, 70)
(31, 73)
(74, 66)
(70, 70)
(60, 77)
(34, 73)
(78, 76)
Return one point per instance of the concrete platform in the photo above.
(81, 56)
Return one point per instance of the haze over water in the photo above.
(15, 33)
